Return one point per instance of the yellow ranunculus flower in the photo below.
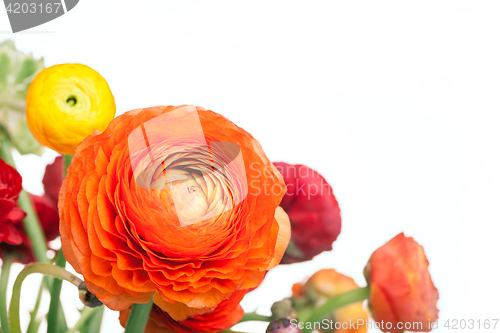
(66, 103)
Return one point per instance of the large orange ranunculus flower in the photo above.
(401, 288)
(328, 283)
(225, 315)
(175, 201)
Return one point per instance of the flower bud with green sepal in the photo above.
(283, 325)
(283, 309)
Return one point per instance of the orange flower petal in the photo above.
(283, 236)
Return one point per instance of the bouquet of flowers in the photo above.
(171, 215)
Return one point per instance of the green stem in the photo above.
(95, 324)
(138, 317)
(67, 163)
(34, 324)
(61, 321)
(56, 321)
(4, 280)
(352, 296)
(305, 313)
(52, 317)
(252, 316)
(46, 269)
(5, 152)
(84, 316)
(31, 222)
(33, 228)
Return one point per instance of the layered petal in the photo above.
(171, 200)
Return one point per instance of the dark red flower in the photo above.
(53, 178)
(46, 210)
(10, 213)
(313, 210)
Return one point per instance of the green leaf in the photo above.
(29, 67)
(294, 250)
(24, 141)
(93, 324)
(5, 67)
(17, 71)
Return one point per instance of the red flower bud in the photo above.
(401, 288)
(53, 178)
(313, 210)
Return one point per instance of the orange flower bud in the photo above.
(401, 288)
(328, 283)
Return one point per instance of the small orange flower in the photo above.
(175, 201)
(225, 315)
(401, 288)
(328, 283)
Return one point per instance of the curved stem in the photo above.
(252, 316)
(138, 317)
(84, 316)
(31, 222)
(352, 296)
(4, 280)
(52, 317)
(46, 269)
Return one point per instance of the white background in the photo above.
(396, 103)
